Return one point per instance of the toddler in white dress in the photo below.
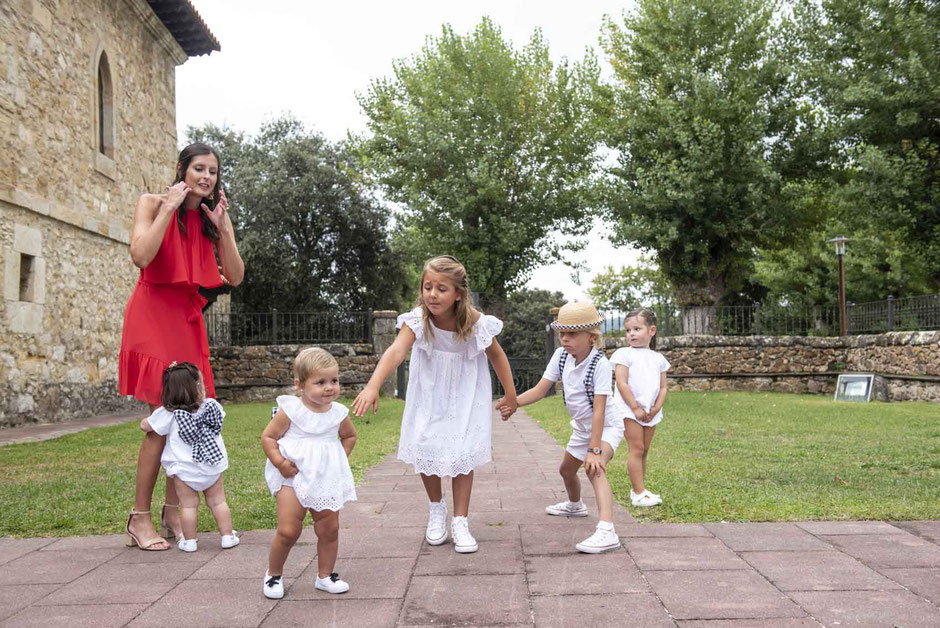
(308, 443)
(446, 425)
(194, 454)
(641, 382)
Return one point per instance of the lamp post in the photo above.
(840, 241)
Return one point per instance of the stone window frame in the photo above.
(25, 305)
(105, 106)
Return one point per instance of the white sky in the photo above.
(310, 59)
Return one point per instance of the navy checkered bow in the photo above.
(199, 430)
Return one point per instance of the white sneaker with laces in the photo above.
(273, 586)
(645, 499)
(464, 543)
(436, 534)
(331, 584)
(601, 541)
(567, 509)
(187, 545)
(230, 540)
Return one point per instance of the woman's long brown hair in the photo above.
(186, 156)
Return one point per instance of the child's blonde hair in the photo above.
(311, 360)
(448, 265)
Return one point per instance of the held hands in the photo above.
(175, 195)
(287, 468)
(217, 214)
(364, 400)
(507, 407)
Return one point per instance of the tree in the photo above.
(489, 150)
(526, 315)
(311, 235)
(713, 145)
(630, 287)
(874, 67)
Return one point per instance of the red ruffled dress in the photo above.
(163, 321)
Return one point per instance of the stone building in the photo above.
(87, 124)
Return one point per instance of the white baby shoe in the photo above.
(273, 586)
(567, 509)
(464, 543)
(186, 545)
(436, 533)
(331, 584)
(230, 540)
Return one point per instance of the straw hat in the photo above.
(577, 316)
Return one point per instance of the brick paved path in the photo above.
(526, 572)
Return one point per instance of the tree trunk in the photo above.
(697, 300)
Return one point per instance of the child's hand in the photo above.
(507, 407)
(287, 468)
(364, 400)
(640, 414)
(593, 463)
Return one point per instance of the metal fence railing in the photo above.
(276, 328)
(904, 314)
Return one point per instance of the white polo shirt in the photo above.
(582, 415)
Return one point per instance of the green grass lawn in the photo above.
(779, 457)
(84, 483)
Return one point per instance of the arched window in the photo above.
(105, 108)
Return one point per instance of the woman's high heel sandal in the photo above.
(147, 545)
(166, 531)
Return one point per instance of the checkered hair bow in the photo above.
(199, 430)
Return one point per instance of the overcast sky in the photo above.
(310, 58)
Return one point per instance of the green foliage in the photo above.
(311, 235)
(526, 314)
(713, 144)
(630, 287)
(489, 150)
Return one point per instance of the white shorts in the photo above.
(580, 439)
(201, 484)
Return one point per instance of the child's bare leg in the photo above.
(569, 474)
(290, 523)
(462, 486)
(647, 439)
(432, 486)
(215, 500)
(326, 525)
(189, 507)
(602, 491)
(636, 454)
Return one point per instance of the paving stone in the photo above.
(381, 543)
(484, 532)
(107, 541)
(209, 603)
(172, 555)
(13, 597)
(367, 578)
(924, 582)
(120, 584)
(806, 622)
(250, 561)
(334, 612)
(535, 506)
(682, 553)
(574, 574)
(413, 519)
(78, 616)
(11, 549)
(493, 557)
(598, 611)
(849, 527)
(720, 594)
(555, 539)
(929, 530)
(869, 608)
(466, 600)
(757, 537)
(889, 550)
(654, 530)
(257, 537)
(817, 571)
(362, 508)
(52, 567)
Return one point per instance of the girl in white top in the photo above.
(307, 443)
(194, 454)
(447, 422)
(597, 417)
(641, 381)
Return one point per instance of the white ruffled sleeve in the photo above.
(485, 329)
(415, 322)
(622, 356)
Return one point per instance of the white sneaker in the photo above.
(436, 534)
(567, 509)
(331, 584)
(645, 499)
(599, 542)
(464, 543)
(273, 586)
(230, 540)
(187, 545)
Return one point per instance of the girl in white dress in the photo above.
(308, 443)
(194, 454)
(641, 380)
(447, 422)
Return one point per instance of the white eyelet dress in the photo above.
(446, 429)
(324, 480)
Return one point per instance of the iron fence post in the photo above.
(667, 314)
(890, 312)
(274, 326)
(757, 317)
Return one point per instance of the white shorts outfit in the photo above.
(446, 428)
(645, 372)
(177, 457)
(580, 407)
(324, 480)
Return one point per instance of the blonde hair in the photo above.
(311, 360)
(454, 270)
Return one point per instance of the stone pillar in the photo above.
(383, 335)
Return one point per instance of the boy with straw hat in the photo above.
(596, 417)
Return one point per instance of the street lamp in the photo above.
(840, 241)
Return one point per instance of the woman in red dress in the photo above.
(172, 244)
